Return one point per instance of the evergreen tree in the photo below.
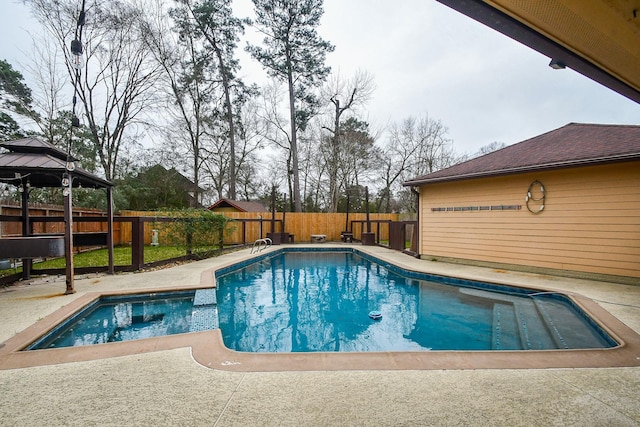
(15, 100)
(294, 53)
(212, 22)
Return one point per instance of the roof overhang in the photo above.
(42, 171)
(226, 203)
(599, 39)
(518, 170)
(38, 163)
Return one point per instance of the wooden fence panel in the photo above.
(14, 228)
(258, 224)
(303, 225)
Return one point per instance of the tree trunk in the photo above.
(294, 145)
(333, 161)
(194, 202)
(229, 116)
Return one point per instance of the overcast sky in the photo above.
(429, 59)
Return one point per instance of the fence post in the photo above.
(137, 242)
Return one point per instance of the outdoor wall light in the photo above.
(557, 65)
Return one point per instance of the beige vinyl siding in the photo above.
(591, 220)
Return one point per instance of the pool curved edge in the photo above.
(625, 354)
(208, 348)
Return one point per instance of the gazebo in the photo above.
(34, 163)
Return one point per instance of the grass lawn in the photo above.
(100, 257)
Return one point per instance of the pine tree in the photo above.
(15, 100)
(212, 22)
(294, 53)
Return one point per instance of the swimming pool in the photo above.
(132, 317)
(329, 301)
(208, 348)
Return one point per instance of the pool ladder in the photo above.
(261, 244)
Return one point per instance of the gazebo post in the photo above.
(67, 183)
(26, 229)
(110, 269)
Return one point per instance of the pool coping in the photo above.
(208, 349)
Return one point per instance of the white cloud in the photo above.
(428, 58)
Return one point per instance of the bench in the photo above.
(92, 238)
(32, 247)
(318, 238)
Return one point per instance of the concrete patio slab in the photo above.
(169, 387)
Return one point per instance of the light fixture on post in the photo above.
(76, 50)
(557, 65)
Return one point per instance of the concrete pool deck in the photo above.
(168, 387)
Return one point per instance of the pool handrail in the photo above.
(261, 244)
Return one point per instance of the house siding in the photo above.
(590, 223)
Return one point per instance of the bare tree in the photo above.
(251, 138)
(190, 87)
(343, 96)
(115, 83)
(489, 148)
(51, 83)
(277, 132)
(414, 147)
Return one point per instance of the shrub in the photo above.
(200, 232)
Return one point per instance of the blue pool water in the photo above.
(321, 301)
(130, 317)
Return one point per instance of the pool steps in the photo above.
(204, 316)
(555, 333)
(533, 329)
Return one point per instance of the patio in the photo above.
(168, 387)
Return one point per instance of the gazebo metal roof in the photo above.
(43, 165)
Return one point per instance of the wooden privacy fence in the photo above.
(250, 226)
(135, 229)
(303, 224)
(246, 227)
(11, 223)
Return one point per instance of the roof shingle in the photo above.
(575, 144)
